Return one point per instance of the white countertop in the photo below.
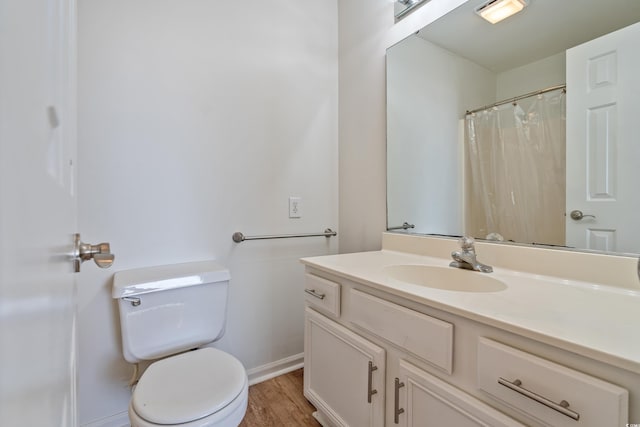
(599, 322)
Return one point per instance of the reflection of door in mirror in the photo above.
(602, 173)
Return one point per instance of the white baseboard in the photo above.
(274, 369)
(117, 420)
(324, 422)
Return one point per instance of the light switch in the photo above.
(295, 207)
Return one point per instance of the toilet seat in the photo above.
(190, 387)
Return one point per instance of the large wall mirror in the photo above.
(521, 131)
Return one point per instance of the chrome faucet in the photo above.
(466, 258)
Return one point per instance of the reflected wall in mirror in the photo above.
(550, 168)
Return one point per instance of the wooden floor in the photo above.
(279, 402)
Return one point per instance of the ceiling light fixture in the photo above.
(497, 10)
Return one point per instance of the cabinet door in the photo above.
(424, 400)
(343, 373)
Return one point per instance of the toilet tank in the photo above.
(169, 309)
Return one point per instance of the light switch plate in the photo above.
(295, 207)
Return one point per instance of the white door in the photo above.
(37, 213)
(603, 144)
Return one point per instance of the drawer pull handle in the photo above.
(561, 407)
(396, 410)
(370, 391)
(313, 292)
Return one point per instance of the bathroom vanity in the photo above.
(397, 337)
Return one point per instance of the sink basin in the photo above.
(445, 278)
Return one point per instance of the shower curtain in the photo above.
(516, 155)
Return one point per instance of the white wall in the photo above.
(198, 119)
(366, 30)
(530, 77)
(428, 91)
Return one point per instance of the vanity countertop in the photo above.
(597, 321)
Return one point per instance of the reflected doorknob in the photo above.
(100, 253)
(578, 215)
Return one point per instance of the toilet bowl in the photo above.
(168, 314)
(201, 388)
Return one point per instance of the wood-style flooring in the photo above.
(279, 402)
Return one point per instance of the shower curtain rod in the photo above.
(517, 98)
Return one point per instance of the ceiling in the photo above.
(542, 29)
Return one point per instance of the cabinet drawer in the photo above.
(424, 336)
(552, 394)
(322, 293)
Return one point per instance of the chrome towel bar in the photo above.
(239, 237)
(404, 226)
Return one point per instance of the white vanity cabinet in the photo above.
(378, 359)
(346, 375)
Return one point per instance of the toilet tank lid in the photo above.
(153, 279)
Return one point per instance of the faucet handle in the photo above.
(467, 242)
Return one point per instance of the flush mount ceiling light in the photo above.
(497, 10)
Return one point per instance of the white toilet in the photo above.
(165, 312)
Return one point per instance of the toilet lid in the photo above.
(188, 387)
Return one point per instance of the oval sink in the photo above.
(446, 278)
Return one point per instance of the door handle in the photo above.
(577, 215)
(100, 253)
